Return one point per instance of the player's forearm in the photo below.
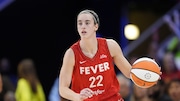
(127, 72)
(126, 68)
(67, 93)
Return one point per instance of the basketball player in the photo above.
(88, 65)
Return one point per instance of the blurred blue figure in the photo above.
(54, 92)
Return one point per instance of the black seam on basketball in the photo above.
(145, 69)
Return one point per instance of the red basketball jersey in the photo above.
(96, 73)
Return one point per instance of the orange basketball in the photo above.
(145, 72)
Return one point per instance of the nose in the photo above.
(83, 26)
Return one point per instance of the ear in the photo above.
(96, 27)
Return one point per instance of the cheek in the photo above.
(178, 89)
(172, 89)
(78, 28)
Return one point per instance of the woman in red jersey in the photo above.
(88, 65)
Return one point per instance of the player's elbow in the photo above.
(61, 91)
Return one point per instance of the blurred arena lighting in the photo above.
(131, 31)
(170, 18)
(5, 3)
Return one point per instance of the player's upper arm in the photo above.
(114, 48)
(67, 68)
(118, 57)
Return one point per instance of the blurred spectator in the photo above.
(174, 46)
(29, 87)
(5, 65)
(139, 94)
(157, 92)
(1, 83)
(174, 89)
(153, 46)
(8, 78)
(169, 68)
(54, 92)
(152, 51)
(9, 96)
(125, 87)
(155, 36)
(132, 59)
(7, 70)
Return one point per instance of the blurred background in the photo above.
(42, 30)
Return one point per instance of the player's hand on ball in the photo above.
(86, 93)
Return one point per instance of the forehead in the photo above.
(84, 16)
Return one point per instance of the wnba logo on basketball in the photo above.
(147, 75)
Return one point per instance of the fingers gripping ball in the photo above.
(145, 72)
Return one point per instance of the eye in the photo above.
(79, 23)
(87, 23)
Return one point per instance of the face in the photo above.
(140, 92)
(86, 26)
(169, 62)
(174, 91)
(155, 91)
(124, 87)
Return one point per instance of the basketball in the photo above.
(145, 72)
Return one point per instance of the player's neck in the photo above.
(89, 46)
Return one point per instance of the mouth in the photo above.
(83, 32)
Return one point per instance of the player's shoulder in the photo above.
(111, 42)
(69, 52)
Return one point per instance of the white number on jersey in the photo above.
(93, 79)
